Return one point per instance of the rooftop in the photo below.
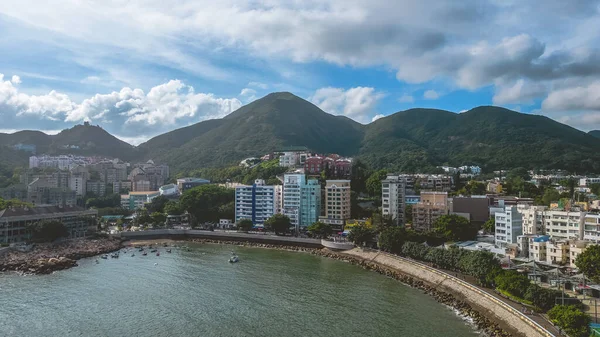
(22, 211)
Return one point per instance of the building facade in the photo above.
(393, 196)
(432, 206)
(185, 184)
(136, 200)
(14, 222)
(509, 225)
(292, 196)
(255, 202)
(337, 199)
(310, 203)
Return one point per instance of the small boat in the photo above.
(115, 256)
(233, 259)
(141, 249)
(104, 256)
(168, 250)
(164, 244)
(144, 253)
(157, 253)
(153, 251)
(97, 261)
(132, 255)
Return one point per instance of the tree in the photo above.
(381, 222)
(512, 282)
(13, 203)
(173, 208)
(572, 320)
(482, 265)
(550, 195)
(278, 223)
(373, 183)
(245, 225)
(455, 228)
(47, 231)
(157, 204)
(408, 214)
(320, 230)
(203, 202)
(595, 188)
(359, 176)
(542, 298)
(519, 172)
(490, 225)
(392, 239)
(588, 262)
(142, 218)
(158, 218)
(360, 235)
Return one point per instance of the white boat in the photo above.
(104, 256)
(233, 259)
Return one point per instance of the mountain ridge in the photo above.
(409, 141)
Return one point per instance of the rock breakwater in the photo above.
(47, 258)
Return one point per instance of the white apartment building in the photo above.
(292, 194)
(393, 192)
(509, 225)
(587, 181)
(533, 219)
(256, 202)
(77, 183)
(292, 159)
(564, 224)
(591, 227)
(337, 198)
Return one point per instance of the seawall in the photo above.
(183, 234)
(509, 318)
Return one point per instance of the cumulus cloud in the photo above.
(357, 103)
(167, 105)
(585, 98)
(431, 94)
(519, 92)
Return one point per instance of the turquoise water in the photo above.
(198, 293)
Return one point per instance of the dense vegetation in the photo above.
(208, 203)
(588, 263)
(574, 322)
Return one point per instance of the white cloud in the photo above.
(585, 98)
(165, 106)
(519, 92)
(248, 94)
(406, 99)
(15, 79)
(357, 103)
(431, 94)
(376, 117)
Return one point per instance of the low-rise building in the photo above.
(591, 230)
(14, 221)
(226, 224)
(184, 184)
(169, 190)
(136, 200)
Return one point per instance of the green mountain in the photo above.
(595, 133)
(81, 139)
(407, 141)
(272, 123)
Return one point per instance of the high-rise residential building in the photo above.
(96, 187)
(119, 186)
(430, 208)
(255, 202)
(591, 230)
(78, 184)
(310, 202)
(337, 199)
(509, 225)
(393, 195)
(278, 190)
(292, 194)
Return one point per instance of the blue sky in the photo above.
(141, 68)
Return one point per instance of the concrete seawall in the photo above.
(488, 305)
(182, 234)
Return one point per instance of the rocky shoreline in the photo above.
(47, 258)
(483, 324)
